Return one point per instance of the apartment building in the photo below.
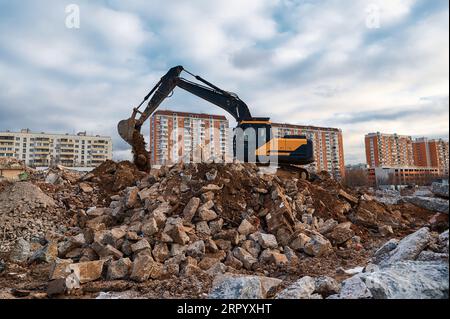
(327, 142)
(45, 149)
(432, 153)
(388, 150)
(176, 136)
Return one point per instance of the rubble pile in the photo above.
(182, 229)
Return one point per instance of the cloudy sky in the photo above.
(362, 66)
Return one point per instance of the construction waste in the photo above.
(213, 231)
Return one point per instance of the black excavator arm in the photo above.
(130, 129)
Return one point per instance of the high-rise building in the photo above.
(45, 149)
(388, 150)
(432, 153)
(176, 136)
(327, 143)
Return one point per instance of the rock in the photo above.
(131, 199)
(317, 246)
(299, 242)
(385, 230)
(119, 269)
(207, 196)
(150, 227)
(350, 198)
(140, 245)
(61, 285)
(144, 267)
(274, 257)
(440, 190)
(340, 234)
(267, 240)
(208, 262)
(354, 288)
(233, 262)
(409, 280)
(95, 212)
(230, 235)
(211, 175)
(383, 252)
(230, 286)
(86, 188)
(87, 271)
(210, 188)
(203, 228)
(326, 286)
(246, 228)
(327, 226)
(190, 209)
(60, 268)
(430, 203)
(216, 226)
(174, 231)
(432, 256)
(410, 246)
(196, 249)
(252, 247)
(245, 257)
(216, 269)
(301, 289)
(177, 249)
(207, 215)
(20, 251)
(46, 254)
(160, 252)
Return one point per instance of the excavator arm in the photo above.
(130, 129)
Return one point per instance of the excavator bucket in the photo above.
(126, 129)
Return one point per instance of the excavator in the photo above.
(253, 140)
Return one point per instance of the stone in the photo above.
(327, 226)
(211, 188)
(190, 209)
(382, 253)
(252, 247)
(440, 189)
(245, 257)
(150, 227)
(196, 249)
(88, 271)
(216, 226)
(301, 289)
(86, 188)
(60, 269)
(211, 175)
(177, 249)
(131, 199)
(246, 228)
(207, 262)
(432, 256)
(230, 286)
(216, 269)
(20, 251)
(407, 280)
(203, 228)
(160, 252)
(144, 267)
(410, 246)
(62, 285)
(300, 241)
(326, 286)
(207, 196)
(354, 288)
(207, 215)
(46, 254)
(174, 231)
(96, 211)
(228, 235)
(140, 245)
(267, 240)
(274, 257)
(119, 269)
(210, 246)
(233, 262)
(317, 246)
(340, 234)
(385, 230)
(431, 203)
(350, 198)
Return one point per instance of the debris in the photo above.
(301, 289)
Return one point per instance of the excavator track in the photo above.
(293, 171)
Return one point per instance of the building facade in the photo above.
(432, 153)
(176, 136)
(327, 142)
(388, 150)
(45, 149)
(378, 176)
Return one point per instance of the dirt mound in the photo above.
(113, 177)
